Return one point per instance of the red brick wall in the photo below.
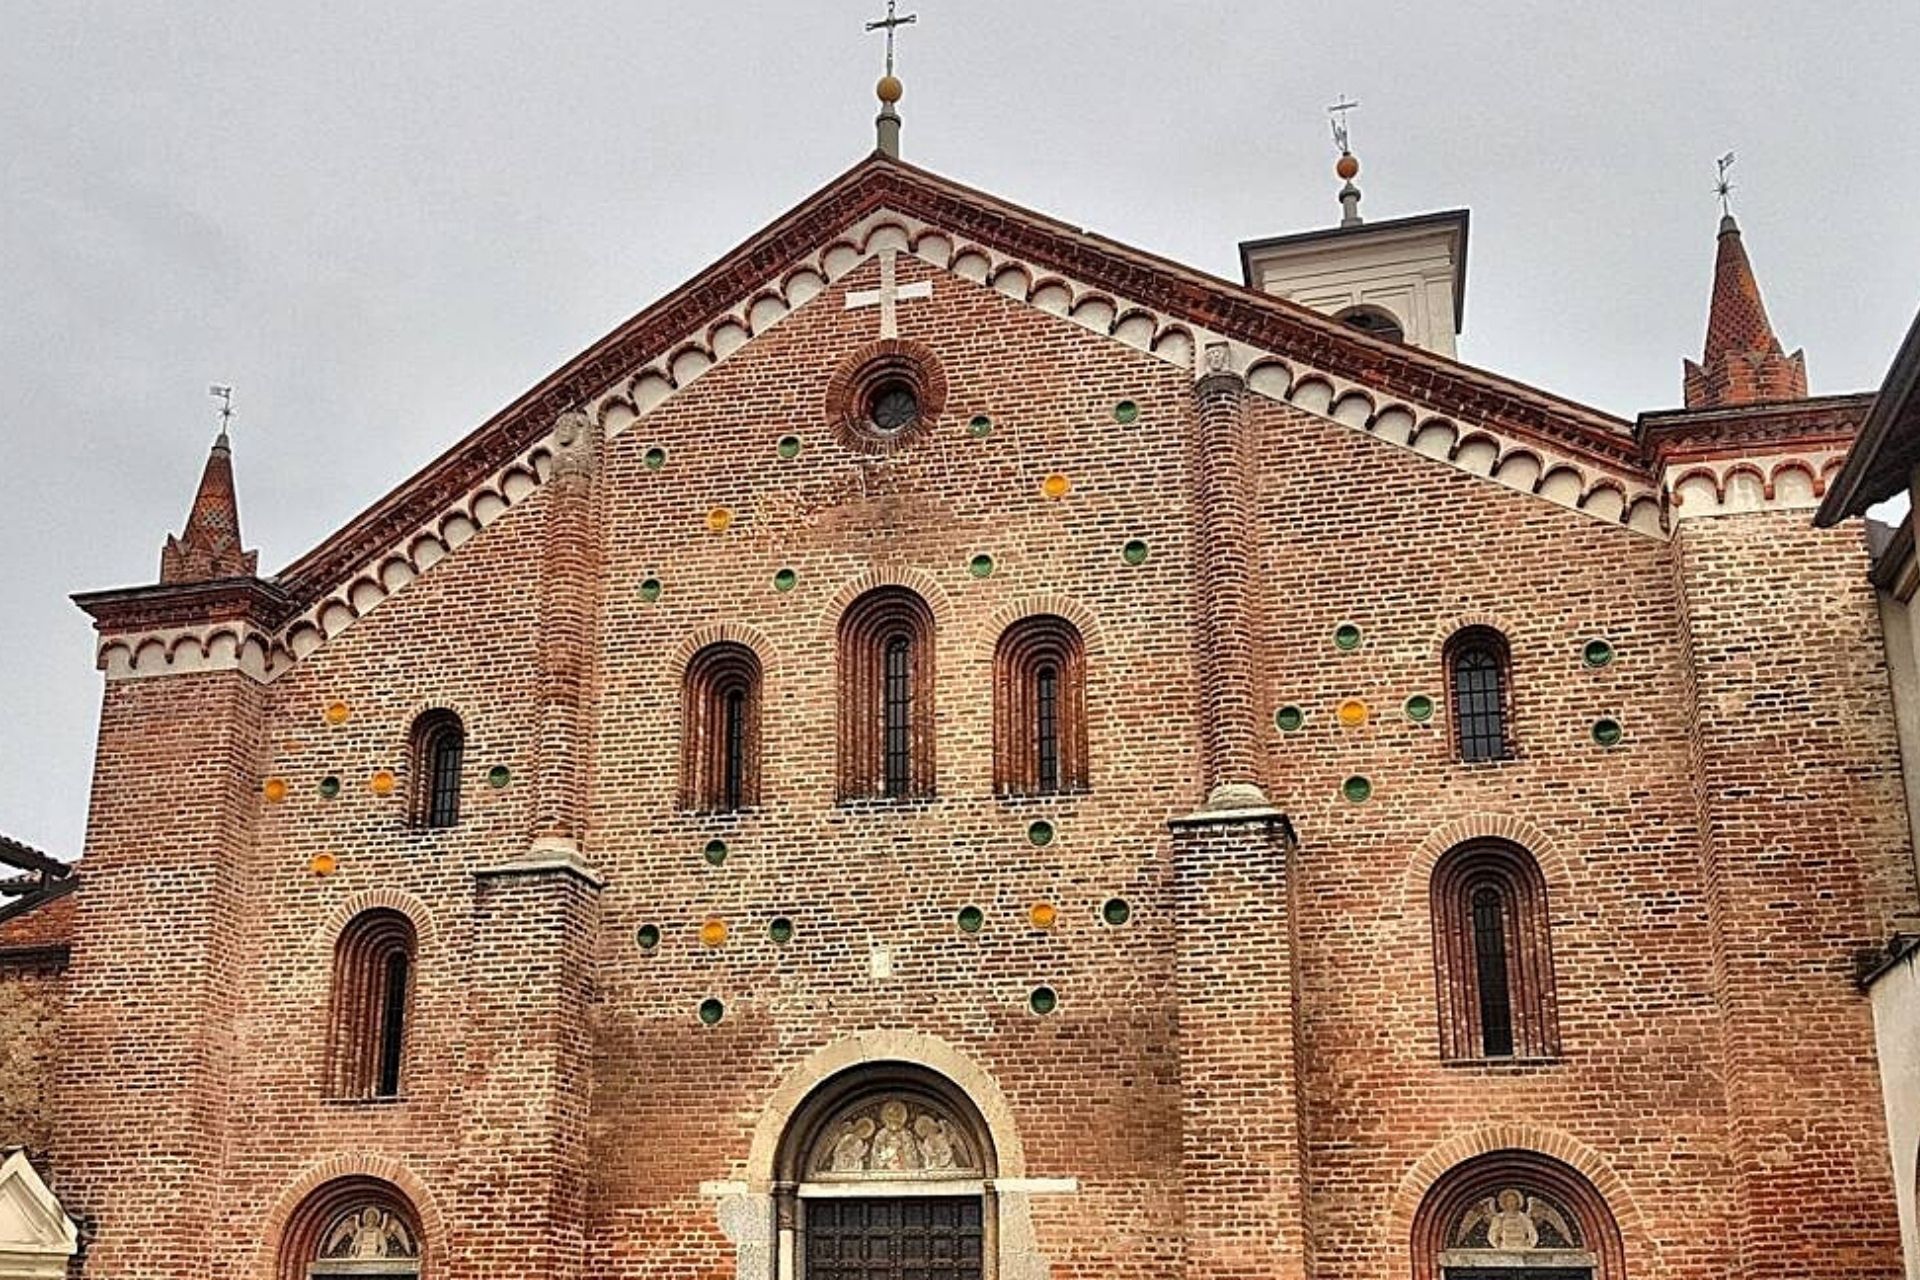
(33, 952)
(233, 999)
(155, 986)
(1411, 551)
(1802, 801)
(31, 995)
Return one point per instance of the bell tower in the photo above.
(1404, 280)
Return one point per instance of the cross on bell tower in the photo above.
(887, 123)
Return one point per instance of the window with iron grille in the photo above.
(720, 729)
(1039, 719)
(1492, 954)
(372, 987)
(1046, 732)
(1490, 961)
(897, 714)
(1477, 672)
(886, 659)
(439, 745)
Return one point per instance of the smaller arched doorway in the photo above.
(360, 1227)
(886, 1173)
(1515, 1215)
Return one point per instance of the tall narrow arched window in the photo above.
(886, 696)
(1490, 971)
(439, 742)
(720, 730)
(1039, 708)
(1492, 954)
(1478, 682)
(372, 991)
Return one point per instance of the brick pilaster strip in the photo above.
(1223, 463)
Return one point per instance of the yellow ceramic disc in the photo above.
(1043, 915)
(274, 789)
(323, 864)
(1352, 713)
(1056, 486)
(381, 783)
(713, 932)
(719, 519)
(337, 713)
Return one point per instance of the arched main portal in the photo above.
(886, 1173)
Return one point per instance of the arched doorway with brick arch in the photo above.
(1515, 1215)
(356, 1226)
(886, 1172)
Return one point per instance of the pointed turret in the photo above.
(209, 547)
(1743, 362)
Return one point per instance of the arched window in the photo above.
(1373, 320)
(352, 1227)
(1492, 955)
(880, 1174)
(720, 729)
(1515, 1215)
(439, 741)
(1478, 682)
(1039, 708)
(886, 696)
(372, 991)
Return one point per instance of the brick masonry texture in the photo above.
(1245, 1079)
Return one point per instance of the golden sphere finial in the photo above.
(889, 89)
(1348, 167)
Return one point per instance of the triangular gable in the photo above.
(36, 1235)
(776, 261)
(1513, 435)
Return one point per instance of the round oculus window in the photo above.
(893, 407)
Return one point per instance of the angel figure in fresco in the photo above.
(936, 1143)
(850, 1148)
(1510, 1225)
(366, 1234)
(894, 1148)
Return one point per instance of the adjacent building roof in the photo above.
(1882, 460)
(30, 878)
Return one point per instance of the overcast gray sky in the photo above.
(383, 221)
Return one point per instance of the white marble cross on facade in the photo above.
(888, 295)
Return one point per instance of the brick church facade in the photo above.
(951, 747)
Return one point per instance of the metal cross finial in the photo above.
(891, 23)
(224, 394)
(1724, 188)
(1337, 114)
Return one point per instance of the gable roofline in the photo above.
(880, 182)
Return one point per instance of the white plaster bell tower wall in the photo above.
(1409, 274)
(36, 1236)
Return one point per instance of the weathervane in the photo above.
(892, 23)
(224, 394)
(1723, 188)
(1337, 116)
(1347, 167)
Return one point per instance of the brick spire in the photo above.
(1743, 362)
(209, 547)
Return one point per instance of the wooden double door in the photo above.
(893, 1238)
